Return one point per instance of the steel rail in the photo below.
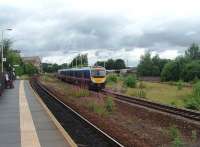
(190, 114)
(111, 140)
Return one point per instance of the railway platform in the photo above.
(24, 121)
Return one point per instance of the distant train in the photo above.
(91, 77)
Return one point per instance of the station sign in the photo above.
(4, 59)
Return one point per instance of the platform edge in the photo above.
(67, 137)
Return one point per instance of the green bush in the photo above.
(170, 72)
(193, 102)
(109, 104)
(130, 81)
(191, 70)
(112, 78)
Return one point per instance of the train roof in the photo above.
(82, 68)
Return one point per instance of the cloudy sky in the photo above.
(57, 30)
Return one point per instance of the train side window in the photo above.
(87, 74)
(70, 73)
(79, 73)
(76, 73)
(82, 74)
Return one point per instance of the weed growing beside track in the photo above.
(158, 92)
(132, 125)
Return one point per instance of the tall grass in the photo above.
(180, 85)
(79, 92)
(102, 109)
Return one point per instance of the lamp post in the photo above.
(2, 46)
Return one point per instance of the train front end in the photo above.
(98, 78)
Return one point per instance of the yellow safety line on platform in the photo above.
(66, 136)
(29, 136)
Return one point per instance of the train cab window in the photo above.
(98, 73)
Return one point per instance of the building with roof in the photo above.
(35, 60)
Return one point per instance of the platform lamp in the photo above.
(2, 46)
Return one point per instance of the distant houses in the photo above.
(123, 71)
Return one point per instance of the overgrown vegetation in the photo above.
(102, 109)
(193, 101)
(97, 108)
(185, 67)
(175, 136)
(130, 81)
(150, 66)
(172, 94)
(180, 85)
(141, 93)
(80, 92)
(112, 78)
(194, 135)
(109, 104)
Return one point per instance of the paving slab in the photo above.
(47, 132)
(17, 107)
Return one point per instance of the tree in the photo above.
(170, 72)
(80, 60)
(193, 52)
(151, 66)
(191, 71)
(30, 69)
(100, 63)
(119, 64)
(145, 66)
(110, 64)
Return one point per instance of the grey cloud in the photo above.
(43, 33)
(175, 35)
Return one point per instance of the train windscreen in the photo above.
(98, 73)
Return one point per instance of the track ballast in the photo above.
(80, 129)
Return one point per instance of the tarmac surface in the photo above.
(24, 122)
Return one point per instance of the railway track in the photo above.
(80, 129)
(189, 114)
